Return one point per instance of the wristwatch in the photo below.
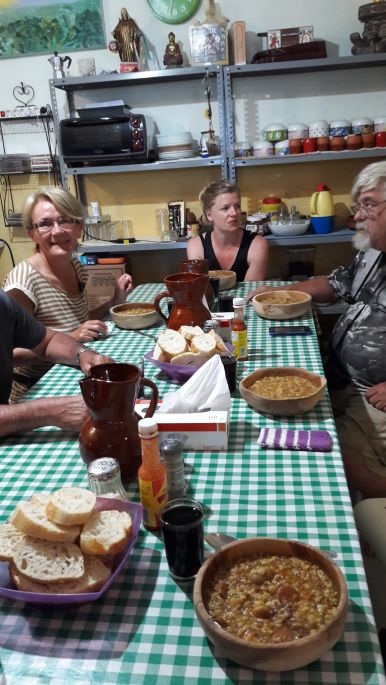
(79, 352)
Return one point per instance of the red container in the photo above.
(380, 139)
(309, 145)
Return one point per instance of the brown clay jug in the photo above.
(187, 291)
(111, 430)
(199, 266)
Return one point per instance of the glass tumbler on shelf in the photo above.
(162, 220)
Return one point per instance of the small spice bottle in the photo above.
(225, 330)
(104, 477)
(171, 455)
(239, 330)
(211, 325)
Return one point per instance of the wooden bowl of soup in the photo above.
(284, 390)
(227, 278)
(134, 315)
(271, 604)
(281, 304)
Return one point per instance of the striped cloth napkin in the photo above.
(314, 440)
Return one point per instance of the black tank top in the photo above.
(240, 265)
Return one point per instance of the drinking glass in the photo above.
(183, 535)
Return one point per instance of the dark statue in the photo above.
(373, 38)
(127, 38)
(172, 56)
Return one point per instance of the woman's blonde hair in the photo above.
(66, 204)
(209, 194)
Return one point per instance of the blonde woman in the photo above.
(50, 284)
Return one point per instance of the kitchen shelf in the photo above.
(310, 157)
(189, 163)
(75, 83)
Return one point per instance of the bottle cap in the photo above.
(148, 427)
(170, 447)
(103, 468)
(238, 302)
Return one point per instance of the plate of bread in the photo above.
(180, 353)
(66, 547)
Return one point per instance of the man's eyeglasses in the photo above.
(367, 208)
(63, 222)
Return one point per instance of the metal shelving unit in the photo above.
(145, 78)
(328, 64)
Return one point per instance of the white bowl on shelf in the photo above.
(288, 229)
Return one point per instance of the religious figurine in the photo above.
(172, 56)
(127, 41)
(373, 38)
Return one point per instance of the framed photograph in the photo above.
(208, 44)
(273, 39)
(37, 27)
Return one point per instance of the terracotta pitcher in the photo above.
(111, 430)
(187, 291)
(199, 266)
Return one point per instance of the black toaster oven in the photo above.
(117, 139)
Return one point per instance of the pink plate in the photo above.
(7, 589)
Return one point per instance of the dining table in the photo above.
(143, 629)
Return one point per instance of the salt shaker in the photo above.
(171, 454)
(104, 477)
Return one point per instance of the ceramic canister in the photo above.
(275, 132)
(281, 148)
(317, 129)
(340, 127)
(298, 130)
(380, 123)
(362, 125)
(262, 148)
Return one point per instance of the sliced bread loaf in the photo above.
(95, 575)
(106, 532)
(49, 562)
(204, 344)
(188, 359)
(171, 343)
(220, 345)
(31, 518)
(70, 506)
(190, 331)
(10, 537)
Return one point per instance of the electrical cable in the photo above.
(10, 251)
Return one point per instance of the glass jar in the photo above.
(104, 477)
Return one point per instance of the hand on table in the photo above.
(90, 358)
(90, 330)
(377, 396)
(260, 289)
(71, 413)
(122, 288)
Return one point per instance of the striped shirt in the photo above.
(52, 307)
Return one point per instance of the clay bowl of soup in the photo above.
(271, 604)
(227, 278)
(281, 304)
(284, 390)
(134, 315)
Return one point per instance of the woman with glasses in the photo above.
(51, 283)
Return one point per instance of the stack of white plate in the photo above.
(175, 146)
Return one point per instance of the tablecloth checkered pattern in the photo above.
(144, 630)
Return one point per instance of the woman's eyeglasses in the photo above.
(63, 222)
(367, 208)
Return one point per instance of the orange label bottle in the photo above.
(151, 475)
(239, 333)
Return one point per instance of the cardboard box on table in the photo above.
(200, 432)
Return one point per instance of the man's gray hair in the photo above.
(371, 177)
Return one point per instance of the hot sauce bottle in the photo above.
(239, 333)
(151, 475)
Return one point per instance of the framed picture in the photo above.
(208, 44)
(273, 39)
(33, 27)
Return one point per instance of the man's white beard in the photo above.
(361, 240)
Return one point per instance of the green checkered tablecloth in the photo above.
(144, 630)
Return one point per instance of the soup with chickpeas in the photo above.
(284, 387)
(271, 598)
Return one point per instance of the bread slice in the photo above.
(220, 345)
(70, 506)
(158, 354)
(172, 343)
(95, 575)
(10, 538)
(188, 359)
(106, 532)
(49, 562)
(40, 498)
(190, 331)
(204, 344)
(31, 518)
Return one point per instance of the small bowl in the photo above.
(288, 229)
(298, 305)
(227, 278)
(279, 407)
(270, 657)
(123, 316)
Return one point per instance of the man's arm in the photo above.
(319, 288)
(68, 413)
(62, 349)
